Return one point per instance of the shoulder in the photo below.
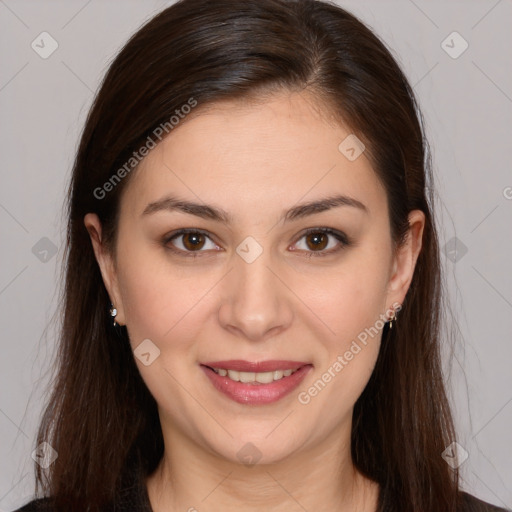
(469, 504)
(132, 497)
(38, 505)
(472, 504)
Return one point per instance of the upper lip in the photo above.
(256, 367)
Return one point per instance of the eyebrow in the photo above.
(217, 214)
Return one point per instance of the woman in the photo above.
(252, 298)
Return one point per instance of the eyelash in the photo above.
(340, 236)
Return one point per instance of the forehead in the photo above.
(280, 151)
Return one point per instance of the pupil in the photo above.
(193, 240)
(319, 240)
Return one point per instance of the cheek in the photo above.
(346, 299)
(159, 304)
(351, 303)
(168, 309)
(347, 359)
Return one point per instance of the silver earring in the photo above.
(113, 313)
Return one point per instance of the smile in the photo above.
(252, 377)
(268, 382)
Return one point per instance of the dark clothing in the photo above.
(134, 498)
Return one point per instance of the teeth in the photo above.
(252, 377)
(247, 377)
(265, 377)
(234, 375)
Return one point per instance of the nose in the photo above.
(256, 303)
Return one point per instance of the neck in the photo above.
(190, 478)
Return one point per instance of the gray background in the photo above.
(467, 103)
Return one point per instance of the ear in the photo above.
(106, 264)
(404, 261)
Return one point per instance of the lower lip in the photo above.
(244, 393)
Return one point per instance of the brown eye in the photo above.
(192, 241)
(317, 241)
(189, 242)
(322, 242)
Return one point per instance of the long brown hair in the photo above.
(100, 417)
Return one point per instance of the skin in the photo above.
(255, 162)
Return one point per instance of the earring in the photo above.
(392, 319)
(113, 313)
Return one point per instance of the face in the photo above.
(256, 278)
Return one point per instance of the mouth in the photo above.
(256, 382)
